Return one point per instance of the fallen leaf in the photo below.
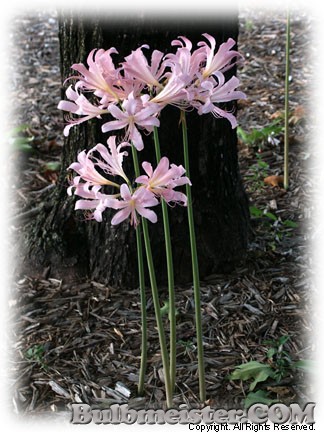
(277, 115)
(297, 115)
(274, 180)
(280, 390)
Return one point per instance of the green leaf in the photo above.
(259, 396)
(35, 352)
(271, 216)
(18, 129)
(305, 365)
(290, 224)
(21, 143)
(263, 164)
(260, 135)
(165, 308)
(271, 352)
(30, 353)
(254, 211)
(241, 134)
(257, 371)
(283, 339)
(16, 139)
(52, 166)
(256, 135)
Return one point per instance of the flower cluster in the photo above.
(131, 97)
(95, 170)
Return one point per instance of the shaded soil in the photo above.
(77, 341)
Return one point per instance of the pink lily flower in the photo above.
(219, 61)
(137, 67)
(163, 180)
(182, 73)
(188, 62)
(221, 92)
(132, 204)
(112, 157)
(86, 169)
(93, 200)
(111, 165)
(126, 85)
(174, 92)
(224, 91)
(101, 75)
(80, 106)
(133, 114)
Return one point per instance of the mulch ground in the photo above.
(80, 342)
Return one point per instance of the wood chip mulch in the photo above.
(80, 341)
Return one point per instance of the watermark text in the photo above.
(258, 414)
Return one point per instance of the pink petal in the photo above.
(85, 204)
(68, 106)
(113, 125)
(125, 192)
(162, 168)
(143, 179)
(121, 216)
(148, 214)
(145, 198)
(117, 112)
(221, 113)
(148, 123)
(147, 167)
(130, 105)
(147, 112)
(136, 138)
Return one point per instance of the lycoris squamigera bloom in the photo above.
(101, 77)
(80, 106)
(133, 203)
(136, 91)
(132, 115)
(221, 60)
(131, 97)
(95, 169)
(137, 67)
(163, 180)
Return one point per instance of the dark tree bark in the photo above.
(61, 239)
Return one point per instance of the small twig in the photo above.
(286, 137)
(44, 189)
(27, 214)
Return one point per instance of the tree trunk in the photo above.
(62, 239)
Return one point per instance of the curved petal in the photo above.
(85, 204)
(148, 214)
(161, 170)
(218, 112)
(143, 179)
(147, 167)
(147, 112)
(120, 216)
(148, 123)
(113, 125)
(125, 192)
(117, 112)
(68, 106)
(136, 138)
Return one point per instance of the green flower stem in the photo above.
(168, 250)
(195, 268)
(143, 310)
(286, 137)
(141, 278)
(156, 300)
